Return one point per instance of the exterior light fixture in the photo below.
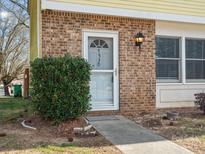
(139, 39)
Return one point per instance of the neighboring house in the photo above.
(165, 72)
(14, 82)
(1, 90)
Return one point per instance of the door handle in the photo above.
(115, 71)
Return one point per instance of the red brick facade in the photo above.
(62, 33)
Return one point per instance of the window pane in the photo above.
(100, 53)
(203, 49)
(167, 69)
(101, 88)
(167, 47)
(194, 49)
(195, 69)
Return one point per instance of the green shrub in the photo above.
(61, 87)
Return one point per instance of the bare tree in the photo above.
(13, 41)
(18, 8)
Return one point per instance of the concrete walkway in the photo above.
(131, 138)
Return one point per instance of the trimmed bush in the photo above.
(61, 87)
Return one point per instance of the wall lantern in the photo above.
(139, 39)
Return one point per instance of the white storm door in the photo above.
(101, 52)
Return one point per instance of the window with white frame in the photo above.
(195, 60)
(168, 59)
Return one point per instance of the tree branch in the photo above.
(20, 5)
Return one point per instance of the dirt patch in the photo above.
(66, 129)
(187, 130)
(22, 140)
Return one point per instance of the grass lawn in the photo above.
(13, 108)
(63, 148)
(54, 149)
(44, 140)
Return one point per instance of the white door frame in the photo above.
(108, 34)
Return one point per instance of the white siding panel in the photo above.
(178, 94)
(180, 29)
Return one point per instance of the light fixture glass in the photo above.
(139, 39)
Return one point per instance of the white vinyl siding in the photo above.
(181, 94)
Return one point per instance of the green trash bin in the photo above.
(17, 91)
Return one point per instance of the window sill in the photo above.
(176, 84)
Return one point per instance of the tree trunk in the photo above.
(26, 83)
(6, 89)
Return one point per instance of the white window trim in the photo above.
(183, 65)
(183, 59)
(165, 81)
(195, 59)
(110, 34)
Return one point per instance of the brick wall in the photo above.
(62, 33)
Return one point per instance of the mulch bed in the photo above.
(47, 133)
(64, 129)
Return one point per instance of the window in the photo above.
(99, 44)
(167, 59)
(195, 60)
